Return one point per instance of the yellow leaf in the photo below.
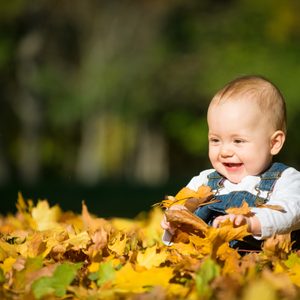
(46, 217)
(150, 258)
(93, 267)
(129, 280)
(118, 244)
(123, 224)
(7, 250)
(34, 246)
(78, 241)
(294, 274)
(259, 288)
(7, 264)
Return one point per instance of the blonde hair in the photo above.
(257, 88)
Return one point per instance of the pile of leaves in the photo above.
(46, 253)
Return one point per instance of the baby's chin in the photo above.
(234, 178)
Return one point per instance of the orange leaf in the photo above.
(202, 192)
(202, 195)
(242, 210)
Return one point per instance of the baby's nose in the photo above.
(226, 151)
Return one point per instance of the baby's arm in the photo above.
(253, 223)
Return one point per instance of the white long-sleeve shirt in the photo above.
(286, 193)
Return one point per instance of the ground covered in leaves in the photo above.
(46, 253)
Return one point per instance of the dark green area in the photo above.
(113, 94)
(110, 199)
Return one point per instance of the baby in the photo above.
(246, 128)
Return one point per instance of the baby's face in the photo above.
(239, 139)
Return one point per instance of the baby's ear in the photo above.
(277, 141)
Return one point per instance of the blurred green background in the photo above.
(105, 101)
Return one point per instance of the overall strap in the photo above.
(215, 180)
(269, 177)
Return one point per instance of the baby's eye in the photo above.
(213, 140)
(238, 141)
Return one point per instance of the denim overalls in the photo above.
(235, 199)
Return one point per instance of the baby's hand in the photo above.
(237, 220)
(165, 224)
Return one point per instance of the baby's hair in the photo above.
(264, 92)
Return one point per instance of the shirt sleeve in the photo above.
(286, 193)
(199, 180)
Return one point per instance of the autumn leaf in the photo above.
(7, 264)
(244, 209)
(200, 197)
(93, 224)
(46, 217)
(271, 206)
(78, 241)
(184, 218)
(129, 280)
(2, 276)
(56, 284)
(125, 258)
(151, 257)
(105, 273)
(278, 245)
(118, 244)
(203, 191)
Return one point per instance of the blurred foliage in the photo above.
(100, 90)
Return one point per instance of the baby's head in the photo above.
(247, 126)
(259, 90)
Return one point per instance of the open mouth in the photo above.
(232, 165)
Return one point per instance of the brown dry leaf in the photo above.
(278, 245)
(244, 209)
(274, 207)
(186, 223)
(186, 220)
(100, 240)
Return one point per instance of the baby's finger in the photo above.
(239, 220)
(218, 220)
(232, 218)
